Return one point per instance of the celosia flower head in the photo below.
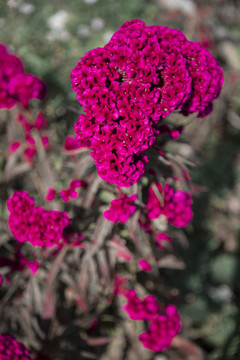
(121, 209)
(11, 349)
(28, 222)
(24, 87)
(162, 329)
(164, 324)
(10, 65)
(175, 205)
(127, 87)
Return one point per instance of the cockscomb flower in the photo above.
(11, 349)
(138, 78)
(121, 209)
(144, 265)
(24, 87)
(28, 222)
(137, 309)
(175, 205)
(18, 262)
(71, 191)
(163, 328)
(164, 324)
(10, 65)
(14, 146)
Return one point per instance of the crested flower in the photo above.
(28, 222)
(127, 87)
(174, 205)
(11, 349)
(121, 209)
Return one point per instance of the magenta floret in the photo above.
(175, 205)
(164, 323)
(11, 349)
(138, 78)
(10, 65)
(121, 209)
(24, 87)
(162, 330)
(32, 223)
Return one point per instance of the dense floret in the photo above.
(121, 209)
(11, 349)
(174, 205)
(32, 223)
(164, 324)
(15, 85)
(138, 78)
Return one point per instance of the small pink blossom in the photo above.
(161, 238)
(29, 153)
(121, 209)
(71, 191)
(51, 194)
(45, 142)
(14, 146)
(144, 265)
(40, 122)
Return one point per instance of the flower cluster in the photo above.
(18, 262)
(32, 223)
(71, 192)
(66, 194)
(16, 86)
(11, 349)
(162, 330)
(164, 325)
(127, 87)
(174, 205)
(121, 209)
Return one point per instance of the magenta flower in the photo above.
(18, 262)
(40, 122)
(175, 205)
(164, 324)
(11, 349)
(163, 328)
(51, 194)
(28, 222)
(161, 238)
(127, 87)
(10, 65)
(71, 191)
(121, 209)
(144, 265)
(14, 146)
(24, 87)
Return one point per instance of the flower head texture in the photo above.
(164, 324)
(121, 209)
(174, 205)
(137, 309)
(28, 222)
(10, 65)
(138, 78)
(11, 349)
(24, 87)
(163, 328)
(15, 85)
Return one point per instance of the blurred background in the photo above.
(51, 36)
